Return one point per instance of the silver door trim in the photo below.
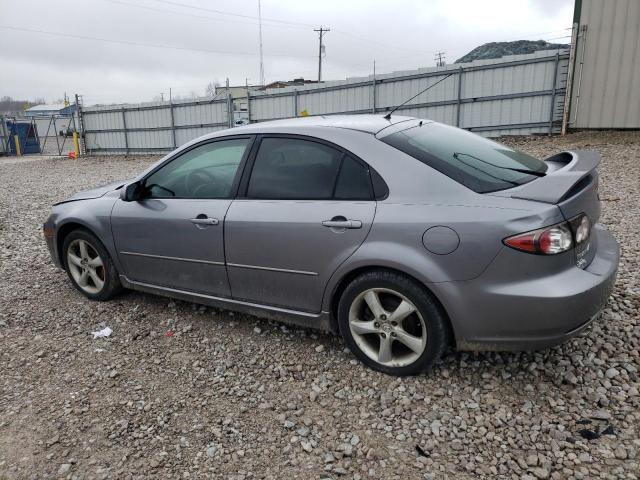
(225, 300)
(272, 269)
(179, 259)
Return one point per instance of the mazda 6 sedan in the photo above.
(405, 236)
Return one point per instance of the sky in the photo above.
(116, 51)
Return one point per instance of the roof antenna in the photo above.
(388, 115)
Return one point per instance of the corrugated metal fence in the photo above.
(514, 95)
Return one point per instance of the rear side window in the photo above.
(298, 169)
(476, 162)
(353, 182)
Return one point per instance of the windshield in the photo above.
(474, 161)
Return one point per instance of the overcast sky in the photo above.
(217, 39)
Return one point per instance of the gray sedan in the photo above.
(406, 236)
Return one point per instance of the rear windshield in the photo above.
(474, 161)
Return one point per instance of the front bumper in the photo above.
(533, 311)
(49, 233)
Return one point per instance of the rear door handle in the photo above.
(342, 223)
(204, 221)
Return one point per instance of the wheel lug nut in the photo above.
(383, 317)
(376, 324)
(394, 334)
(383, 335)
(395, 324)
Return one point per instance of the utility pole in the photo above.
(321, 31)
(439, 59)
(262, 81)
(162, 96)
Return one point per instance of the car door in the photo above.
(173, 236)
(303, 209)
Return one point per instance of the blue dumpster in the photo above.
(27, 136)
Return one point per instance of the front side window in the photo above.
(205, 172)
(297, 169)
(476, 162)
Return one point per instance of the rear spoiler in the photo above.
(565, 170)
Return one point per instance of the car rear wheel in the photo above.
(89, 266)
(391, 323)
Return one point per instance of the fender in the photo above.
(98, 221)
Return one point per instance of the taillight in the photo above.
(581, 227)
(554, 239)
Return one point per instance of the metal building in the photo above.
(605, 65)
(48, 110)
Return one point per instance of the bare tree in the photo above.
(210, 90)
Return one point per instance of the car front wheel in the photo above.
(391, 323)
(89, 266)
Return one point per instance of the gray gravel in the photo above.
(234, 396)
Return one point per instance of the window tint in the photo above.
(476, 162)
(287, 168)
(204, 172)
(353, 181)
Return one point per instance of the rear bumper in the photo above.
(530, 313)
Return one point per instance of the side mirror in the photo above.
(132, 192)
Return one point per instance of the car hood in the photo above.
(93, 193)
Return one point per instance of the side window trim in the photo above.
(239, 172)
(248, 167)
(337, 177)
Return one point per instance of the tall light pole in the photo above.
(260, 35)
(321, 31)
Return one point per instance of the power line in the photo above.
(199, 16)
(440, 59)
(139, 44)
(281, 23)
(221, 12)
(293, 25)
(375, 42)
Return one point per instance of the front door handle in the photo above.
(342, 222)
(204, 221)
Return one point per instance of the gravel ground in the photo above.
(234, 396)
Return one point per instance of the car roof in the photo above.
(368, 123)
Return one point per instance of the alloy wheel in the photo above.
(86, 266)
(387, 327)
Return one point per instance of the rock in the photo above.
(620, 453)
(64, 469)
(541, 473)
(612, 373)
(211, 451)
(320, 348)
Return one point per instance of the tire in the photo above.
(90, 267)
(376, 340)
